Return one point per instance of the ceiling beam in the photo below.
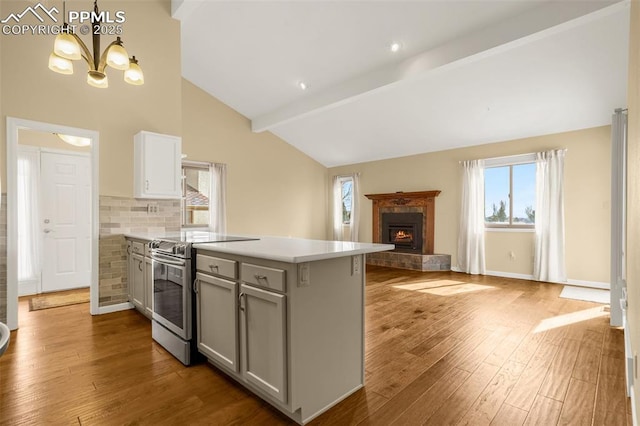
(544, 21)
(181, 9)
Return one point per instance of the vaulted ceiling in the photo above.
(466, 72)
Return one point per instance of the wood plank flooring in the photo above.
(441, 348)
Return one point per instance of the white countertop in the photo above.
(293, 250)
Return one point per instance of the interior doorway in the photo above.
(64, 210)
(54, 214)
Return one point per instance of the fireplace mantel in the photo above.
(399, 202)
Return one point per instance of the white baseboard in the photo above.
(27, 288)
(578, 283)
(590, 284)
(510, 275)
(114, 308)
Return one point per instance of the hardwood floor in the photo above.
(441, 348)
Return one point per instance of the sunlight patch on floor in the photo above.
(571, 318)
(443, 287)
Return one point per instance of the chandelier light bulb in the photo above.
(97, 79)
(60, 65)
(66, 46)
(134, 74)
(117, 57)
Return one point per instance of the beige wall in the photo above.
(587, 192)
(633, 188)
(272, 188)
(31, 91)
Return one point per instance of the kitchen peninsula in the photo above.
(285, 318)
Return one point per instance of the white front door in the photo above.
(66, 194)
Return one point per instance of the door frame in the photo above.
(13, 127)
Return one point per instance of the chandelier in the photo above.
(69, 47)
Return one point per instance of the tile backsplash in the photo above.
(118, 216)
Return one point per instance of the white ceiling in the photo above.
(468, 72)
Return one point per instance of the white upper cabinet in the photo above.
(157, 166)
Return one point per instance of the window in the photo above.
(346, 186)
(510, 196)
(196, 194)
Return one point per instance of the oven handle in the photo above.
(167, 260)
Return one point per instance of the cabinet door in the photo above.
(264, 340)
(137, 281)
(148, 287)
(217, 319)
(157, 162)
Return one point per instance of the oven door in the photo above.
(172, 293)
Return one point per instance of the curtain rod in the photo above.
(508, 156)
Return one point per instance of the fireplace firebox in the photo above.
(404, 230)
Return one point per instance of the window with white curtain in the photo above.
(510, 192)
(346, 191)
(346, 194)
(28, 210)
(196, 194)
(204, 196)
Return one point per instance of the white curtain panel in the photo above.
(355, 208)
(218, 202)
(471, 258)
(337, 209)
(29, 235)
(549, 257)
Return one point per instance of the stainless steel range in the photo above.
(173, 323)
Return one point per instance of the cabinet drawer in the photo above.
(216, 265)
(137, 247)
(262, 276)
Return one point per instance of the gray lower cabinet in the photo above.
(217, 320)
(140, 277)
(264, 340)
(137, 281)
(291, 333)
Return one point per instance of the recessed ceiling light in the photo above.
(302, 85)
(395, 47)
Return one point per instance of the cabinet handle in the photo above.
(128, 249)
(146, 184)
(140, 265)
(260, 277)
(240, 301)
(195, 285)
(214, 268)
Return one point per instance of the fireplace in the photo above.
(404, 230)
(407, 220)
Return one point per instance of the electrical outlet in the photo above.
(152, 208)
(304, 280)
(512, 255)
(356, 265)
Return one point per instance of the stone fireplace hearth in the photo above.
(406, 219)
